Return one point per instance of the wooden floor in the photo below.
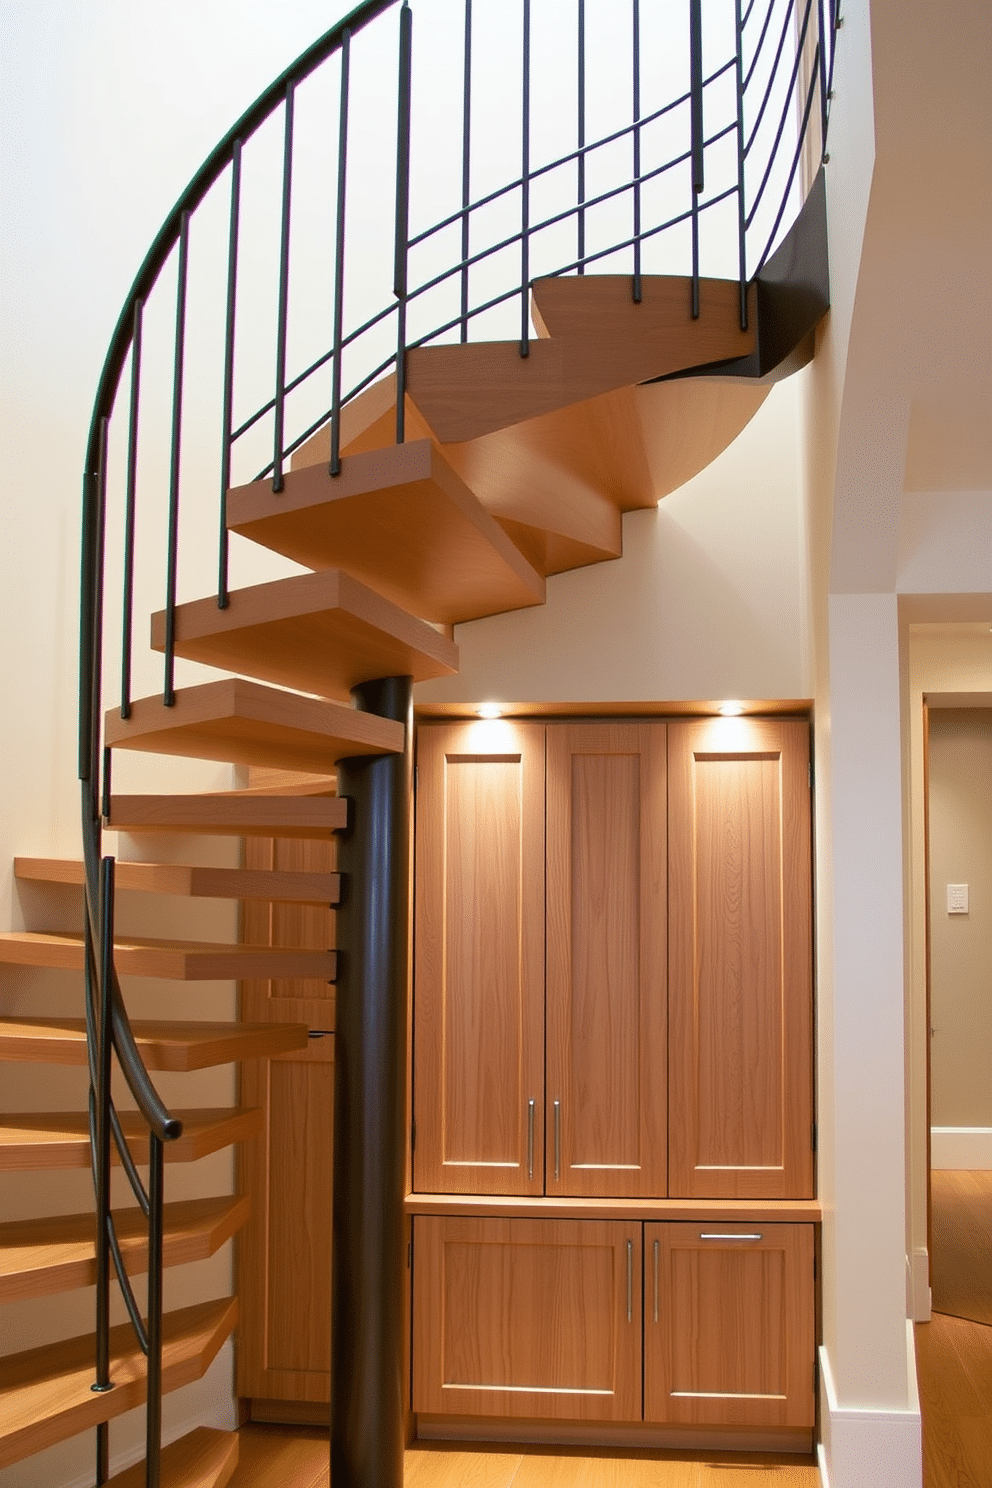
(954, 1368)
(296, 1457)
(961, 1250)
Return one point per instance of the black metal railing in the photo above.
(688, 166)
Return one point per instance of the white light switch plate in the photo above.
(957, 898)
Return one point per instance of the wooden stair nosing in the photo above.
(204, 1458)
(39, 1257)
(174, 960)
(191, 881)
(321, 633)
(163, 1045)
(46, 1392)
(232, 814)
(35, 1140)
(246, 723)
(401, 520)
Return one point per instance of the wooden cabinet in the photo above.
(527, 1318)
(728, 1327)
(740, 969)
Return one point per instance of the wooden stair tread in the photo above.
(204, 1458)
(46, 1391)
(163, 1045)
(39, 1257)
(60, 1139)
(230, 813)
(600, 341)
(318, 632)
(193, 882)
(175, 960)
(248, 724)
(401, 520)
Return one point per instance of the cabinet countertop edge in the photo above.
(727, 1211)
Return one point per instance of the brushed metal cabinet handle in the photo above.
(630, 1281)
(530, 1139)
(557, 1140)
(731, 1237)
(656, 1247)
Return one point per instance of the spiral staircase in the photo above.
(449, 483)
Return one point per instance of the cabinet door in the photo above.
(740, 971)
(284, 1271)
(728, 1326)
(606, 968)
(478, 1036)
(527, 1317)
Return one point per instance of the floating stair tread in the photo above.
(401, 520)
(163, 1045)
(249, 724)
(60, 1139)
(39, 1257)
(175, 960)
(231, 813)
(205, 1458)
(319, 632)
(464, 391)
(46, 1391)
(193, 882)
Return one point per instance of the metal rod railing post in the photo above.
(153, 1418)
(696, 113)
(466, 163)
(334, 466)
(127, 619)
(525, 189)
(821, 23)
(402, 248)
(636, 137)
(223, 597)
(172, 557)
(741, 206)
(580, 159)
(283, 310)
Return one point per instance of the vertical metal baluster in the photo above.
(101, 1161)
(402, 251)
(172, 558)
(822, 58)
(696, 110)
(153, 1418)
(581, 159)
(741, 206)
(127, 619)
(334, 467)
(223, 597)
(283, 313)
(91, 615)
(525, 191)
(466, 162)
(636, 18)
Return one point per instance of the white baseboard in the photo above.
(865, 1448)
(961, 1147)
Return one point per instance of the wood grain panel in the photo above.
(729, 1330)
(527, 1318)
(204, 1458)
(479, 963)
(61, 1139)
(230, 813)
(606, 958)
(740, 971)
(191, 880)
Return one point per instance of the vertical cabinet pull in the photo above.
(630, 1281)
(557, 1140)
(655, 1314)
(530, 1139)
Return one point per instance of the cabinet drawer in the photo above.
(520, 1317)
(729, 1325)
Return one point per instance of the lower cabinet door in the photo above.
(527, 1317)
(728, 1325)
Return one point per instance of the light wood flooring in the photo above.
(961, 1247)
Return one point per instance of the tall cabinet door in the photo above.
(479, 963)
(606, 960)
(740, 968)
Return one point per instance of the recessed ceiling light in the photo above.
(489, 710)
(730, 709)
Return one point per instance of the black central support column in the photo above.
(369, 1252)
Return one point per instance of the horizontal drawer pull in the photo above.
(731, 1237)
